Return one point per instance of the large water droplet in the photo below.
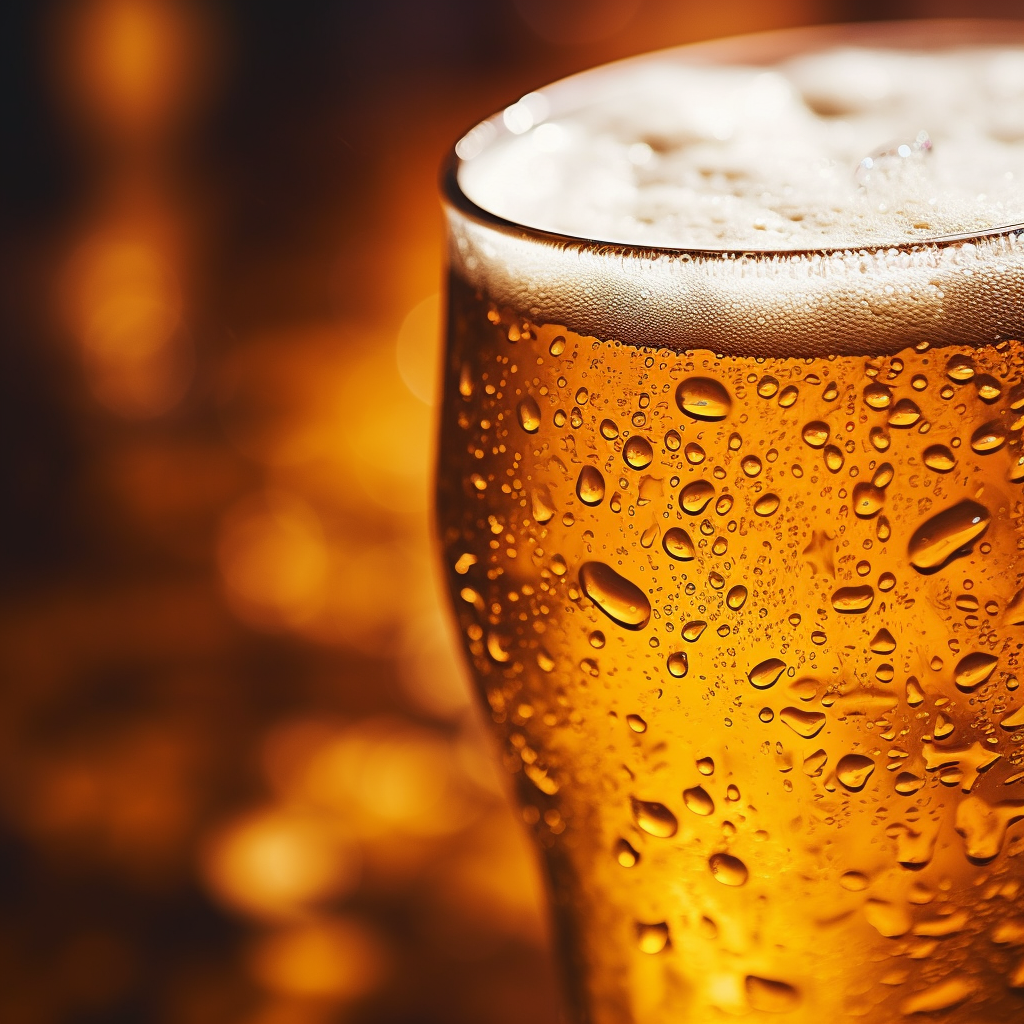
(960, 368)
(878, 396)
(695, 455)
(854, 770)
(904, 413)
(941, 536)
(867, 500)
(804, 723)
(769, 996)
(692, 630)
(853, 599)
(703, 398)
(939, 458)
(653, 818)
(623, 602)
(736, 597)
(677, 544)
(590, 486)
(766, 673)
(727, 869)
(888, 919)
(766, 505)
(694, 497)
(767, 386)
(983, 826)
(816, 433)
(529, 414)
(699, 801)
(626, 855)
(989, 437)
(907, 783)
(677, 664)
(542, 504)
(883, 642)
(834, 458)
(637, 452)
(652, 938)
(973, 669)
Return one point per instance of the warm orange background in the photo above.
(242, 780)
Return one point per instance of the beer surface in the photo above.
(844, 148)
(750, 631)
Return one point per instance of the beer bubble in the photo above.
(694, 453)
(692, 630)
(652, 938)
(677, 664)
(694, 497)
(677, 544)
(626, 855)
(766, 505)
(905, 413)
(529, 414)
(804, 723)
(736, 597)
(654, 818)
(637, 452)
(766, 673)
(727, 869)
(622, 601)
(698, 801)
(636, 723)
(973, 670)
(703, 398)
(706, 766)
(854, 770)
(609, 430)
(816, 433)
(943, 535)
(590, 486)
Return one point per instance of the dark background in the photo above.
(241, 777)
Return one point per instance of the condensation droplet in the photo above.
(652, 938)
(788, 395)
(960, 368)
(703, 398)
(905, 413)
(883, 476)
(834, 458)
(769, 996)
(694, 497)
(724, 504)
(988, 438)
(883, 642)
(590, 486)
(622, 601)
(852, 600)
(637, 452)
(816, 433)
(867, 500)
(854, 770)
(706, 766)
(653, 818)
(677, 544)
(626, 855)
(692, 630)
(636, 723)
(878, 396)
(944, 534)
(939, 458)
(529, 414)
(766, 505)
(853, 881)
(673, 440)
(973, 670)
(729, 870)
(699, 801)
(804, 723)
(767, 387)
(677, 664)
(751, 465)
(736, 597)
(695, 455)
(609, 430)
(766, 673)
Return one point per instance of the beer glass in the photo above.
(733, 539)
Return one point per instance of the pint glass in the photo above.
(733, 537)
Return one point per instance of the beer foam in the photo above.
(844, 148)
(798, 207)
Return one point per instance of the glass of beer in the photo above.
(730, 504)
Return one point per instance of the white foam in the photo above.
(845, 148)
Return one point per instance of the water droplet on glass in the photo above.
(590, 486)
(706, 766)
(621, 600)
(576, 417)
(698, 801)
(766, 505)
(853, 599)
(853, 881)
(673, 440)
(804, 723)
(609, 430)
(736, 597)
(529, 414)
(677, 544)
(652, 938)
(960, 368)
(766, 673)
(867, 500)
(692, 630)
(854, 770)
(989, 389)
(766, 715)
(727, 869)
(724, 504)
(751, 465)
(943, 727)
(983, 826)
(943, 995)
(944, 534)
(814, 763)
(653, 818)
(703, 398)
(882, 529)
(905, 413)
(769, 996)
(878, 396)
(834, 458)
(767, 387)
(637, 452)
(626, 855)
(939, 458)
(677, 664)
(883, 476)
(816, 433)
(694, 497)
(888, 919)
(788, 395)
(636, 723)
(973, 670)
(988, 438)
(907, 783)
(831, 392)
(883, 642)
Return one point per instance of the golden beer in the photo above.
(749, 624)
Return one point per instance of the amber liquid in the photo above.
(749, 631)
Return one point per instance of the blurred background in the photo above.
(242, 778)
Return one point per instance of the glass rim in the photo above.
(914, 34)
